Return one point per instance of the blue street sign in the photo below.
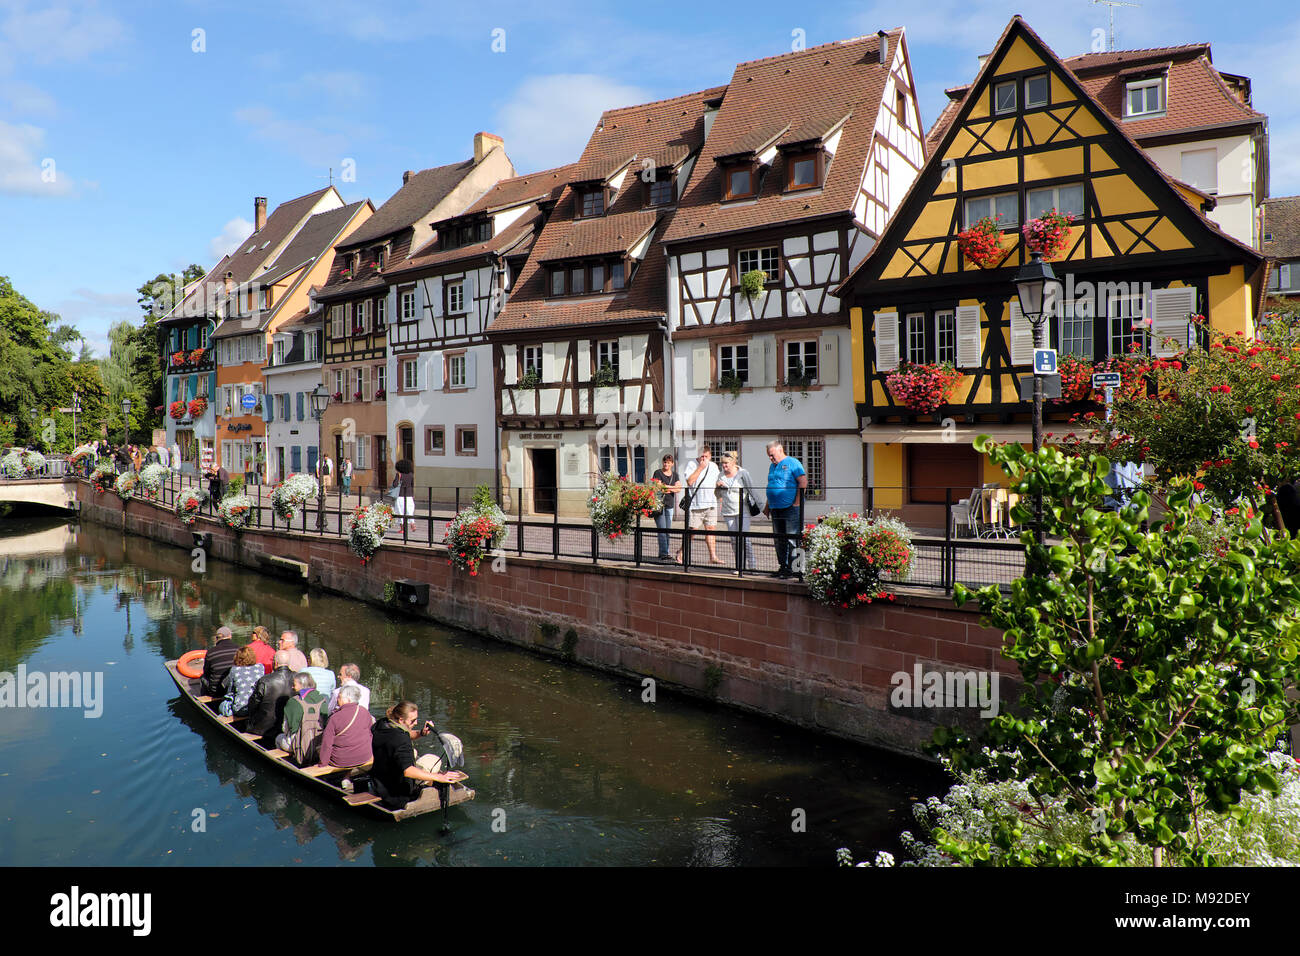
(1044, 361)
(249, 402)
(1106, 380)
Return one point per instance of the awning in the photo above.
(936, 434)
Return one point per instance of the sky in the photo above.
(135, 135)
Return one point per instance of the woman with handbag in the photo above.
(403, 491)
(736, 504)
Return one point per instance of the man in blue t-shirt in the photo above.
(786, 481)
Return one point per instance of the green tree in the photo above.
(158, 296)
(1155, 672)
(36, 350)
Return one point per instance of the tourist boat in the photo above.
(326, 780)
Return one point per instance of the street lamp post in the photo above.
(320, 400)
(126, 422)
(1038, 290)
(76, 407)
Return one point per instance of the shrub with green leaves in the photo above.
(1155, 671)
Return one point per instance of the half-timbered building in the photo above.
(359, 304)
(579, 349)
(808, 155)
(1282, 248)
(441, 407)
(1140, 260)
(293, 373)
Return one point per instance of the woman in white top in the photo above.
(735, 489)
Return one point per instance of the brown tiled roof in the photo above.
(413, 202)
(1127, 58)
(1282, 222)
(787, 99)
(314, 239)
(658, 130)
(518, 189)
(505, 242)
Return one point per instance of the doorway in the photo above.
(381, 460)
(280, 473)
(406, 437)
(544, 480)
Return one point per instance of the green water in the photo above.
(569, 764)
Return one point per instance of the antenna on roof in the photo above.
(1110, 39)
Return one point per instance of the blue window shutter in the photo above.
(192, 387)
(311, 459)
(296, 458)
(300, 404)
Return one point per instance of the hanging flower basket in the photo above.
(125, 484)
(188, 505)
(981, 244)
(197, 407)
(196, 356)
(1048, 235)
(291, 494)
(1076, 379)
(178, 358)
(176, 410)
(152, 478)
(366, 529)
(236, 511)
(923, 388)
(848, 556)
(617, 502)
(475, 532)
(102, 478)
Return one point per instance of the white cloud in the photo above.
(67, 32)
(92, 313)
(313, 144)
(23, 170)
(549, 119)
(227, 241)
(26, 99)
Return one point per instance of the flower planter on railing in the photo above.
(1048, 235)
(923, 388)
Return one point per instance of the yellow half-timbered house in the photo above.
(1140, 260)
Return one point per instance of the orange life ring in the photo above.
(188, 658)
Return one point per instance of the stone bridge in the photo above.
(57, 493)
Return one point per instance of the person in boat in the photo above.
(262, 649)
(304, 720)
(239, 684)
(397, 776)
(320, 670)
(346, 743)
(350, 675)
(297, 659)
(217, 663)
(272, 693)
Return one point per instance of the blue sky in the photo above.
(132, 145)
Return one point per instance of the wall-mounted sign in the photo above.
(572, 463)
(249, 401)
(241, 427)
(541, 436)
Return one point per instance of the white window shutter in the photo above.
(625, 369)
(548, 362)
(968, 336)
(828, 362)
(584, 361)
(436, 376)
(1022, 336)
(509, 358)
(700, 372)
(471, 307)
(1171, 310)
(758, 362)
(886, 335)
(471, 368)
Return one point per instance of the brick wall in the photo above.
(779, 652)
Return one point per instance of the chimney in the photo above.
(259, 213)
(884, 47)
(484, 143)
(406, 176)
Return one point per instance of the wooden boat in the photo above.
(326, 779)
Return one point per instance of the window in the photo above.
(915, 338)
(768, 259)
(483, 232)
(532, 359)
(434, 439)
(362, 460)
(362, 318)
(266, 299)
(801, 362)
(1200, 168)
(203, 387)
(381, 379)
(738, 183)
(811, 453)
(359, 383)
(1067, 200)
(616, 280)
(381, 313)
(1006, 207)
(598, 277)
(309, 350)
(593, 202)
(278, 355)
(661, 190)
(557, 282)
(1144, 97)
(945, 336)
(407, 299)
(1127, 323)
(1036, 90)
(900, 107)
(339, 386)
(455, 298)
(410, 374)
(802, 171)
(577, 280)
(607, 354)
(733, 362)
(1004, 97)
(282, 400)
(336, 321)
(466, 440)
(1076, 328)
(203, 337)
(456, 371)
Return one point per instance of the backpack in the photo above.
(305, 744)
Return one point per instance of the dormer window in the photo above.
(659, 191)
(588, 278)
(1145, 97)
(739, 182)
(1004, 97)
(484, 231)
(803, 170)
(1036, 90)
(591, 202)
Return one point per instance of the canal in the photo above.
(571, 766)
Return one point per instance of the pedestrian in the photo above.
(345, 475)
(736, 504)
(667, 475)
(137, 459)
(404, 492)
(701, 502)
(164, 456)
(324, 468)
(786, 482)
